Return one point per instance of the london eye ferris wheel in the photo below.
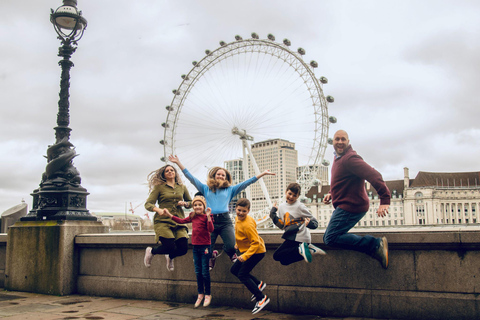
(245, 91)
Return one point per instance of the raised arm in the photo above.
(266, 172)
(274, 217)
(175, 160)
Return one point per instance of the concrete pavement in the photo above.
(26, 306)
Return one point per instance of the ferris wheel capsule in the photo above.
(223, 43)
(176, 92)
(165, 125)
(323, 80)
(163, 159)
(301, 51)
(271, 37)
(287, 42)
(238, 38)
(325, 162)
(332, 119)
(185, 77)
(162, 142)
(254, 35)
(314, 64)
(330, 99)
(330, 141)
(208, 52)
(169, 108)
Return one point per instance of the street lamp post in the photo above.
(60, 195)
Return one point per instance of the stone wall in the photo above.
(433, 274)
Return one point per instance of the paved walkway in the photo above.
(25, 306)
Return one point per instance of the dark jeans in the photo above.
(242, 271)
(288, 253)
(223, 227)
(171, 247)
(337, 234)
(201, 255)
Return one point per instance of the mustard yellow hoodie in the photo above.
(247, 239)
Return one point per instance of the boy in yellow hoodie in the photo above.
(252, 249)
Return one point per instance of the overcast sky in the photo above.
(405, 76)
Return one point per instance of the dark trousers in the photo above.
(174, 248)
(223, 227)
(336, 234)
(201, 255)
(242, 270)
(288, 253)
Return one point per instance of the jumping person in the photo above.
(202, 226)
(350, 200)
(219, 192)
(252, 249)
(167, 190)
(296, 220)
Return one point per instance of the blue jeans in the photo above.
(201, 255)
(337, 234)
(223, 227)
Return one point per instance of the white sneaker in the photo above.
(260, 304)
(148, 257)
(170, 266)
(315, 249)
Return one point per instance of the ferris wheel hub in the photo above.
(242, 133)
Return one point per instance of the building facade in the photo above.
(429, 199)
(278, 156)
(235, 167)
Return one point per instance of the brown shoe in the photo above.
(381, 254)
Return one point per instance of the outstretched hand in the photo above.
(265, 173)
(382, 210)
(174, 159)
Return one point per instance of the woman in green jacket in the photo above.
(167, 190)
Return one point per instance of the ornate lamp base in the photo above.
(51, 202)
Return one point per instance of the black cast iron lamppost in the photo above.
(60, 196)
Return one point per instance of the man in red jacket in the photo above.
(350, 200)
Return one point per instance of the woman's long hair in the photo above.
(157, 177)
(214, 184)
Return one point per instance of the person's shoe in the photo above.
(315, 249)
(261, 286)
(148, 257)
(234, 258)
(211, 262)
(261, 304)
(381, 254)
(305, 252)
(170, 266)
(207, 301)
(199, 301)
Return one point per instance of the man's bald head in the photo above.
(340, 142)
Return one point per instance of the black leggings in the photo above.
(174, 248)
(288, 253)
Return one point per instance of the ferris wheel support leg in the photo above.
(257, 172)
(245, 168)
